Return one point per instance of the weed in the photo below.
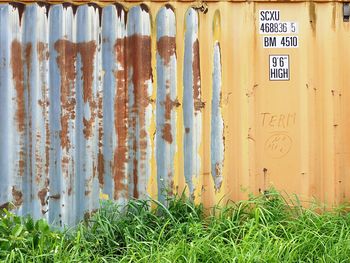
(266, 228)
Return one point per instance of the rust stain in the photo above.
(217, 170)
(66, 61)
(166, 47)
(43, 52)
(121, 116)
(312, 15)
(65, 160)
(168, 105)
(66, 56)
(87, 52)
(42, 196)
(166, 133)
(198, 103)
(17, 196)
(139, 59)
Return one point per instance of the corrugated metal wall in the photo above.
(144, 100)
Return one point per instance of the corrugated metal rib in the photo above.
(166, 101)
(192, 103)
(217, 123)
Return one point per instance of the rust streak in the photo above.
(17, 66)
(139, 59)
(17, 75)
(66, 57)
(66, 61)
(87, 52)
(100, 161)
(100, 168)
(121, 115)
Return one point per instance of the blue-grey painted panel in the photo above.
(76, 107)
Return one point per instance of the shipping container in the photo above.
(107, 100)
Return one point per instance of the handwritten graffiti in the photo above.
(278, 145)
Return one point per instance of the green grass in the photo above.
(266, 228)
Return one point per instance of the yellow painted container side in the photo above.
(291, 135)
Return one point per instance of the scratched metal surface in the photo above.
(135, 101)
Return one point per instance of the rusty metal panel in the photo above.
(121, 101)
(166, 101)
